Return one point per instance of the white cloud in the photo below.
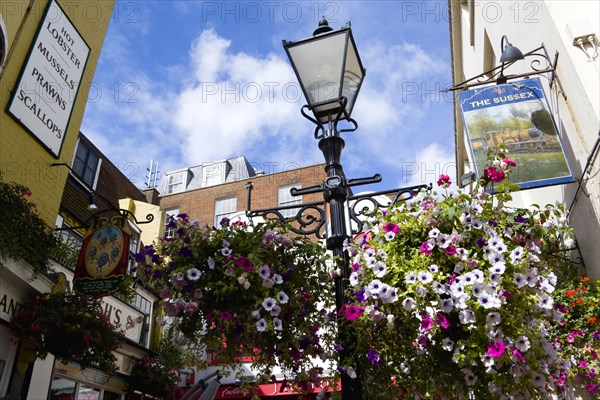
(427, 165)
(236, 101)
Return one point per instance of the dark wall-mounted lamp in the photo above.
(93, 200)
(510, 54)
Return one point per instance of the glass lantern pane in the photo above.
(318, 63)
(353, 76)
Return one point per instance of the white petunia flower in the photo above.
(268, 283)
(493, 318)
(354, 278)
(264, 272)
(468, 279)
(390, 321)
(466, 317)
(434, 233)
(282, 297)
(424, 277)
(261, 325)
(516, 254)
(489, 301)
(408, 304)
(374, 286)
(269, 303)
(519, 280)
(531, 278)
(275, 311)
(439, 287)
(470, 377)
(546, 302)
(447, 305)
(443, 240)
(522, 344)
(277, 325)
(410, 278)
(193, 274)
(447, 344)
(380, 269)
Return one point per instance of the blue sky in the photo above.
(187, 82)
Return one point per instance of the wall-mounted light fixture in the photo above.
(540, 64)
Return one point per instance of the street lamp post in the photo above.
(330, 74)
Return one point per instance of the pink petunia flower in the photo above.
(443, 321)
(496, 349)
(352, 312)
(426, 323)
(426, 247)
(390, 227)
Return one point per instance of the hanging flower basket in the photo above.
(243, 293)
(455, 294)
(69, 326)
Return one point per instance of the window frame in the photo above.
(170, 185)
(288, 199)
(220, 214)
(170, 213)
(80, 175)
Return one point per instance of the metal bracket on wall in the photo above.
(540, 64)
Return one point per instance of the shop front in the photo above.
(70, 382)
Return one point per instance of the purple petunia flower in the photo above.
(245, 263)
(373, 356)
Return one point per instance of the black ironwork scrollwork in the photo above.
(98, 219)
(366, 205)
(310, 218)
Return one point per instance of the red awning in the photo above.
(265, 391)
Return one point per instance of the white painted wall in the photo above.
(576, 110)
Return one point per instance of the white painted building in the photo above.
(570, 29)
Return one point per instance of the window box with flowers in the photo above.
(70, 326)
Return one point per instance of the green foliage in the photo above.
(71, 327)
(25, 236)
(462, 284)
(578, 334)
(157, 376)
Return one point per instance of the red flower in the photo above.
(444, 181)
(509, 162)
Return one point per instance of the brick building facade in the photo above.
(268, 191)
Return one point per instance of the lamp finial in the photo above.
(323, 27)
